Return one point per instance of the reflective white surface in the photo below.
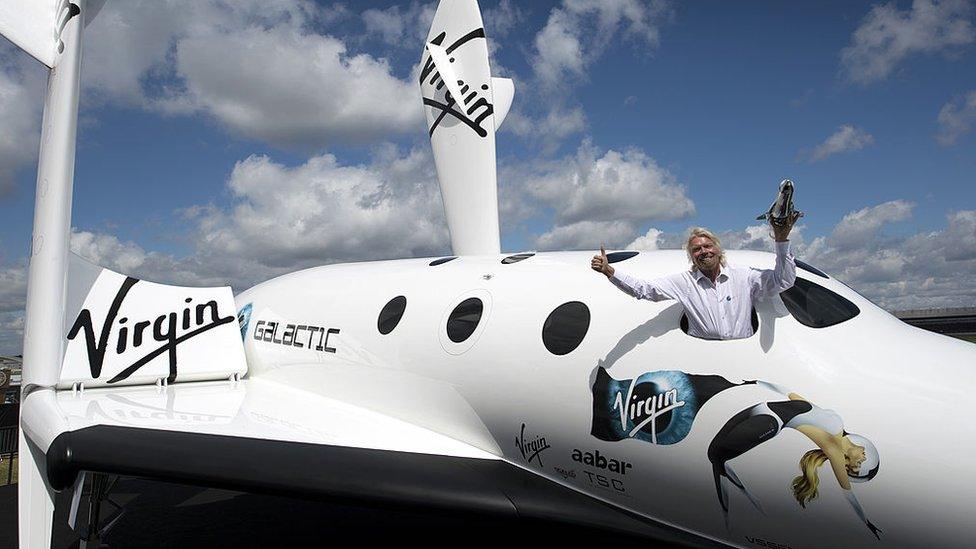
(253, 409)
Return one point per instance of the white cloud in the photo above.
(21, 99)
(621, 191)
(13, 298)
(11, 333)
(924, 270)
(887, 36)
(550, 128)
(585, 235)
(956, 118)
(259, 68)
(287, 218)
(755, 237)
(576, 35)
(847, 138)
(108, 251)
(397, 24)
(859, 228)
(13, 287)
(323, 212)
(502, 19)
(579, 31)
(648, 241)
(294, 90)
(629, 186)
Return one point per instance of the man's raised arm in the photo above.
(653, 290)
(783, 275)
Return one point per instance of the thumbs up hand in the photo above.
(600, 264)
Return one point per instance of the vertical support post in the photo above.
(46, 282)
(35, 506)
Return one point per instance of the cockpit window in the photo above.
(464, 319)
(810, 268)
(566, 327)
(817, 307)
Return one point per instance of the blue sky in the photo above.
(229, 143)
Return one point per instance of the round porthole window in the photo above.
(464, 319)
(391, 314)
(566, 327)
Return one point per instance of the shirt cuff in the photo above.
(782, 247)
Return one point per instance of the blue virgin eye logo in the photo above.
(657, 407)
(244, 319)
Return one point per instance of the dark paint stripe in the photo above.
(337, 473)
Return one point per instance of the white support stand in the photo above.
(36, 498)
(46, 283)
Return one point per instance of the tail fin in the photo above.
(125, 331)
(460, 106)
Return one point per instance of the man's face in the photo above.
(704, 254)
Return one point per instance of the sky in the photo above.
(230, 142)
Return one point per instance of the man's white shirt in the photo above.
(722, 310)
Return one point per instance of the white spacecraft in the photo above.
(514, 385)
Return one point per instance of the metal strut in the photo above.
(93, 532)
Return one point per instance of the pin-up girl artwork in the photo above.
(852, 458)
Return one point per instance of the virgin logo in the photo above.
(169, 330)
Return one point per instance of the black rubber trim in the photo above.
(341, 474)
(810, 268)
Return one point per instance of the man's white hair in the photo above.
(696, 232)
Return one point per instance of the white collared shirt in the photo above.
(720, 310)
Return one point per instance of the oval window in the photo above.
(391, 314)
(566, 327)
(817, 307)
(441, 261)
(617, 257)
(464, 319)
(515, 258)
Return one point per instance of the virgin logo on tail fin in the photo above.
(460, 109)
(135, 332)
